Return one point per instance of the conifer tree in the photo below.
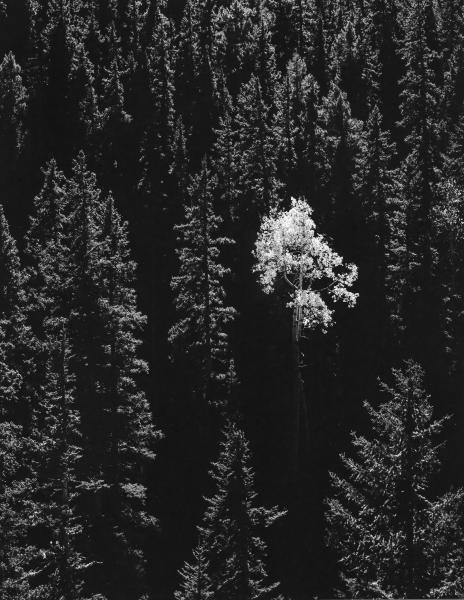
(257, 151)
(383, 31)
(383, 520)
(448, 230)
(233, 29)
(299, 135)
(116, 120)
(18, 30)
(158, 207)
(13, 106)
(379, 186)
(115, 422)
(56, 126)
(230, 560)
(45, 252)
(200, 330)
(58, 439)
(419, 109)
(89, 118)
(265, 68)
(340, 206)
(350, 66)
(225, 162)
(195, 578)
(17, 475)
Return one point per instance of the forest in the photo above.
(231, 299)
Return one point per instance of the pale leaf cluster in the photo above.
(288, 247)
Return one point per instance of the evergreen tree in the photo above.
(158, 207)
(13, 106)
(257, 151)
(340, 205)
(116, 121)
(17, 475)
(383, 31)
(230, 560)
(299, 136)
(383, 521)
(58, 489)
(233, 42)
(421, 168)
(382, 279)
(195, 583)
(115, 422)
(350, 65)
(200, 330)
(56, 123)
(225, 163)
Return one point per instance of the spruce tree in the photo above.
(157, 207)
(257, 151)
(420, 106)
(199, 333)
(225, 161)
(339, 204)
(56, 125)
(115, 120)
(17, 474)
(383, 32)
(233, 42)
(117, 434)
(379, 186)
(230, 560)
(383, 520)
(195, 578)
(58, 488)
(298, 131)
(13, 106)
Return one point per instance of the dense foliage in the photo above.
(143, 146)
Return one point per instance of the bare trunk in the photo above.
(299, 422)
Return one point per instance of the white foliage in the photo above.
(289, 247)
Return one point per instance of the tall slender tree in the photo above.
(203, 317)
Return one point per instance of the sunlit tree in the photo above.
(288, 248)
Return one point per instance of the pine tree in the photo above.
(382, 274)
(89, 118)
(116, 120)
(230, 560)
(257, 151)
(13, 106)
(19, 30)
(382, 33)
(265, 68)
(383, 521)
(17, 475)
(448, 232)
(225, 162)
(195, 85)
(200, 330)
(58, 438)
(158, 207)
(420, 107)
(340, 205)
(233, 42)
(299, 135)
(103, 331)
(56, 126)
(196, 584)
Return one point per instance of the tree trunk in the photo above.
(299, 419)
